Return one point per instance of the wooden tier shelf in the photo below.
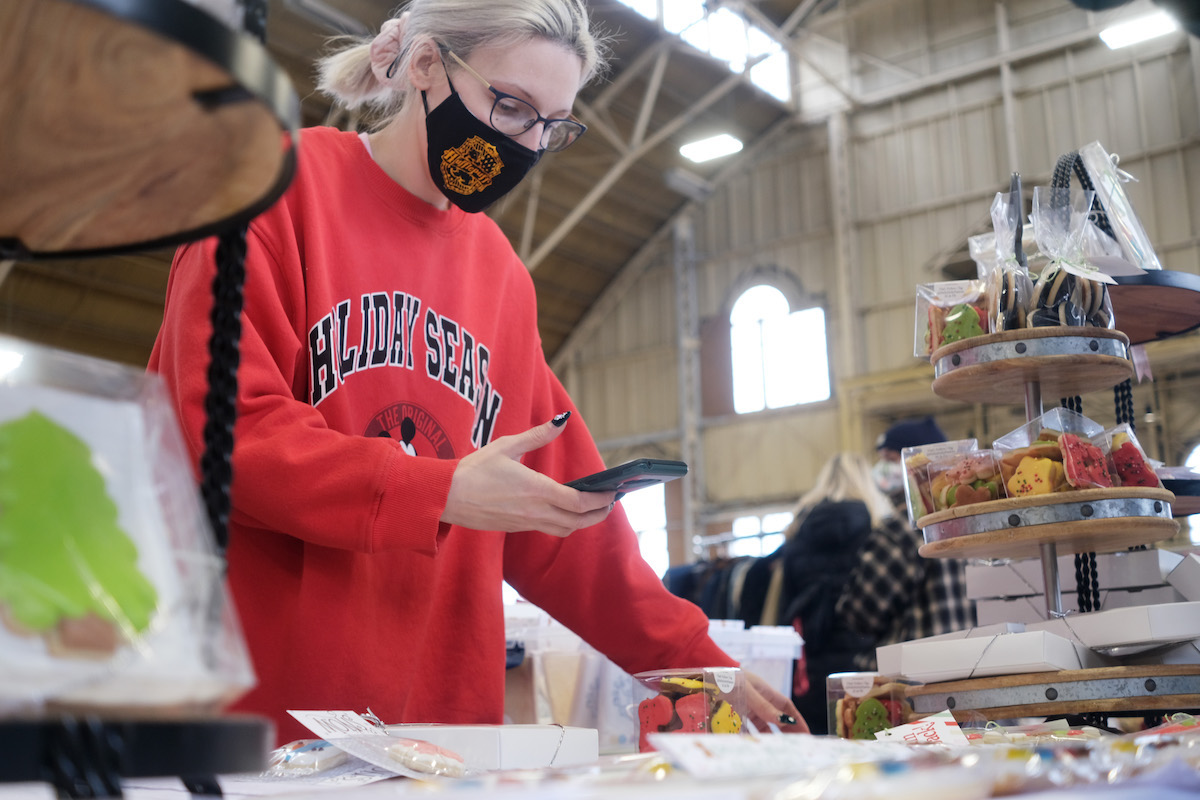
(999, 367)
(1083, 521)
(139, 124)
(1157, 305)
(1187, 496)
(1109, 690)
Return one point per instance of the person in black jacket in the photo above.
(832, 522)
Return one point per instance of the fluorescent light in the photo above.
(713, 147)
(1137, 30)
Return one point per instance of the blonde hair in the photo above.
(846, 476)
(345, 73)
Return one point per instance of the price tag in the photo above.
(940, 728)
(725, 679)
(857, 684)
(332, 725)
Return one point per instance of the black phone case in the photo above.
(631, 475)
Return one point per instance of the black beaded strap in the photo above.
(1072, 163)
(220, 404)
(1123, 400)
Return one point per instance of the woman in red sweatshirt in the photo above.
(401, 443)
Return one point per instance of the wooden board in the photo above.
(1091, 536)
(1077, 536)
(1004, 381)
(117, 136)
(1157, 305)
(1187, 496)
(1137, 691)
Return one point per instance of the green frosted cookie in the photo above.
(62, 554)
(870, 718)
(962, 322)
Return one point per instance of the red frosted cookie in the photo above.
(654, 714)
(1084, 463)
(693, 712)
(1132, 469)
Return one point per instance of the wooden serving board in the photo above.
(1187, 496)
(1023, 540)
(119, 136)
(991, 369)
(1110, 690)
(1157, 305)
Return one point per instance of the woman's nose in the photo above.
(532, 138)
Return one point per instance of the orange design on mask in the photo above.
(471, 167)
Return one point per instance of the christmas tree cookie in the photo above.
(68, 572)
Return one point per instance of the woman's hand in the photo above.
(767, 705)
(492, 490)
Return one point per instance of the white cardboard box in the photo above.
(1186, 577)
(1023, 577)
(888, 657)
(1129, 627)
(509, 746)
(1003, 654)
(1033, 609)
(1186, 653)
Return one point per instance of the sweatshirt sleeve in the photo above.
(283, 450)
(595, 581)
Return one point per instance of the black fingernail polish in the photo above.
(561, 419)
(787, 719)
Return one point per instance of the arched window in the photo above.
(779, 355)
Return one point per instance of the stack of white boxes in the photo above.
(1012, 591)
(1149, 614)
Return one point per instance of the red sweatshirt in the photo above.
(383, 340)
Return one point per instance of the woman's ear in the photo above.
(425, 68)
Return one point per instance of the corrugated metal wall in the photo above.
(925, 157)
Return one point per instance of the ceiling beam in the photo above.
(644, 257)
(625, 162)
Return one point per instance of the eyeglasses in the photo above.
(512, 116)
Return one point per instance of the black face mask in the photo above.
(471, 162)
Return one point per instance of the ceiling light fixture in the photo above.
(1137, 30)
(710, 148)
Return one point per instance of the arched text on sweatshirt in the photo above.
(390, 339)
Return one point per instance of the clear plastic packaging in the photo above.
(1069, 291)
(965, 479)
(863, 703)
(948, 311)
(1129, 461)
(112, 593)
(918, 490)
(703, 700)
(1009, 288)
(304, 758)
(1056, 452)
(1107, 179)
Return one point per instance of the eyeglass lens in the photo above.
(513, 116)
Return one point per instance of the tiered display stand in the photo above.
(1018, 367)
(131, 125)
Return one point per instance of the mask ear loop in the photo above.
(424, 99)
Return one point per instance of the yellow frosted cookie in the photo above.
(1035, 476)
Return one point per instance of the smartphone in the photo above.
(636, 474)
